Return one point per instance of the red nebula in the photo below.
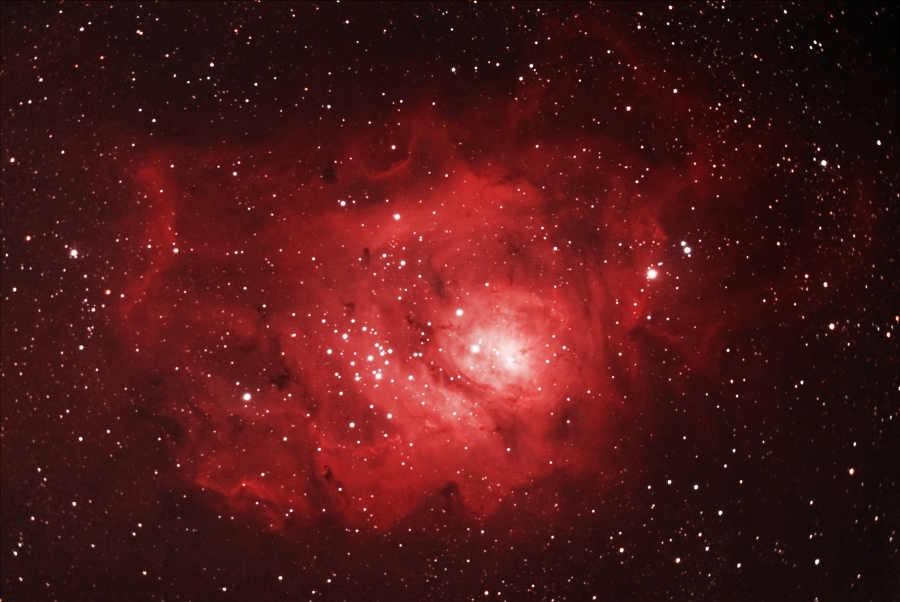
(350, 333)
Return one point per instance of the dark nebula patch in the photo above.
(451, 302)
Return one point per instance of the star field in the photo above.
(428, 301)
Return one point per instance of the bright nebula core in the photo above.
(449, 302)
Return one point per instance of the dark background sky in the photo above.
(734, 429)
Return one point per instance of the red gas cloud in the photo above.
(352, 328)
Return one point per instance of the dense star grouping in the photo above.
(522, 302)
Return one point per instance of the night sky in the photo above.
(405, 302)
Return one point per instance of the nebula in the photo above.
(355, 331)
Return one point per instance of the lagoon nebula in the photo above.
(410, 322)
(449, 302)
